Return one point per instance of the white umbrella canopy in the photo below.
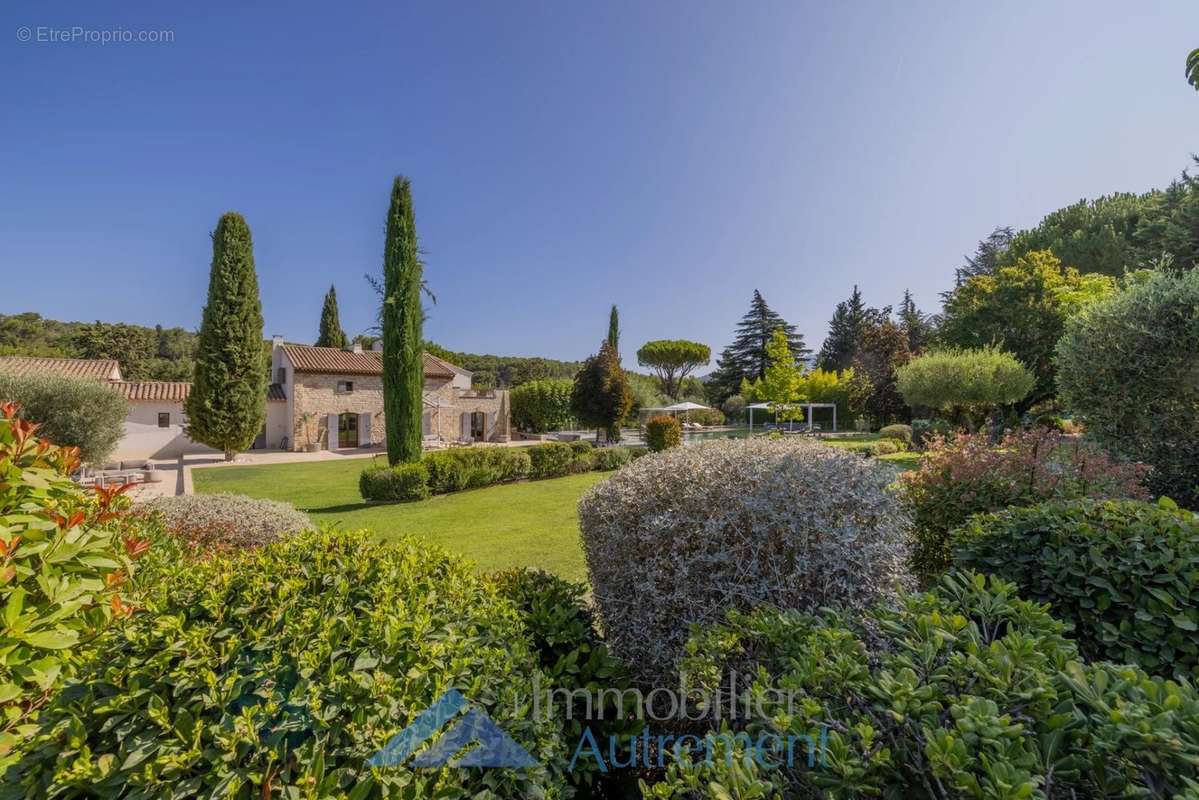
(687, 406)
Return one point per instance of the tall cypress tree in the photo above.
(845, 332)
(746, 357)
(331, 334)
(227, 405)
(403, 376)
(614, 329)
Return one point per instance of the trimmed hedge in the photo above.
(280, 672)
(226, 520)
(1125, 573)
(964, 692)
(663, 432)
(402, 483)
(447, 471)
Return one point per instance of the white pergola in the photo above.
(808, 406)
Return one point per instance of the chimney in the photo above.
(357, 346)
(276, 341)
(377, 345)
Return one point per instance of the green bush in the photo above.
(1126, 367)
(964, 382)
(542, 405)
(580, 447)
(678, 538)
(572, 656)
(550, 460)
(281, 671)
(70, 412)
(62, 562)
(965, 692)
(969, 475)
(234, 520)
(474, 467)
(898, 432)
(1125, 573)
(663, 432)
(883, 447)
(607, 458)
(402, 483)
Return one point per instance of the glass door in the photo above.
(347, 430)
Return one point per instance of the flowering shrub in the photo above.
(663, 432)
(1124, 572)
(965, 692)
(226, 520)
(279, 672)
(63, 561)
(676, 539)
(925, 429)
(966, 474)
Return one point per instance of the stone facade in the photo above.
(451, 410)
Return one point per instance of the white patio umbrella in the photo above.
(687, 406)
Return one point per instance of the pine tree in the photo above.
(403, 374)
(614, 329)
(227, 405)
(330, 333)
(845, 331)
(915, 323)
(746, 357)
(601, 396)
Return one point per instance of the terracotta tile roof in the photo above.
(164, 391)
(173, 391)
(100, 369)
(335, 361)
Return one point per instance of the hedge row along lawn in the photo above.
(529, 524)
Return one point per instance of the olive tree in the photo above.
(964, 383)
(70, 412)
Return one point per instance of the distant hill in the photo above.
(504, 372)
(156, 353)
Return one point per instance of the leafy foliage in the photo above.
(282, 670)
(967, 474)
(1193, 68)
(675, 538)
(1124, 572)
(1128, 370)
(71, 412)
(898, 432)
(401, 483)
(965, 692)
(226, 520)
(571, 655)
(672, 360)
(883, 349)
(600, 396)
(780, 385)
(402, 318)
(506, 371)
(474, 467)
(612, 457)
(62, 563)
(1023, 309)
(541, 405)
(745, 358)
(330, 333)
(964, 382)
(663, 432)
(227, 404)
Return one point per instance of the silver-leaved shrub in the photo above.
(227, 520)
(677, 538)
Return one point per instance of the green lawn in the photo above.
(529, 524)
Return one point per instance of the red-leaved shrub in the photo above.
(967, 474)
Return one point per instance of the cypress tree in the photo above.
(614, 329)
(403, 375)
(746, 357)
(227, 405)
(331, 334)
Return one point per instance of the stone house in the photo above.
(314, 390)
(341, 390)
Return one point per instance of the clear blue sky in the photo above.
(666, 156)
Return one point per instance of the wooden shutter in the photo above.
(331, 442)
(364, 429)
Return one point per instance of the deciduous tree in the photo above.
(600, 397)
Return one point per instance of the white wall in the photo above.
(143, 438)
(278, 425)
